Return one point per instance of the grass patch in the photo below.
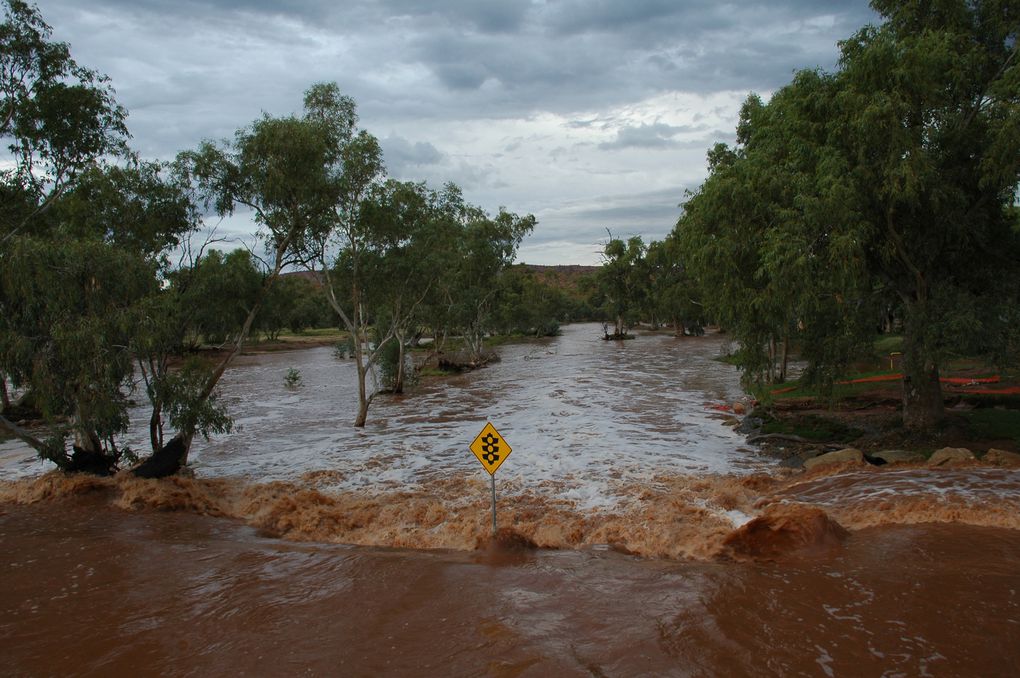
(990, 400)
(435, 372)
(996, 424)
(316, 333)
(812, 428)
(888, 343)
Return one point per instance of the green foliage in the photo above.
(526, 306)
(296, 303)
(144, 207)
(58, 117)
(622, 282)
(389, 368)
(485, 247)
(293, 378)
(180, 393)
(673, 295)
(69, 320)
(221, 290)
(888, 184)
(995, 423)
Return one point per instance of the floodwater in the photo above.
(666, 546)
(582, 414)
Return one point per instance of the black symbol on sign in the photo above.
(490, 448)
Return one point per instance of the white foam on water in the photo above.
(582, 415)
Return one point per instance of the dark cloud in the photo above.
(658, 17)
(566, 75)
(651, 213)
(501, 16)
(402, 156)
(657, 135)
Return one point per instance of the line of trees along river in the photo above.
(882, 194)
(103, 273)
(885, 189)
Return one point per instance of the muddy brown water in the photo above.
(683, 555)
(90, 591)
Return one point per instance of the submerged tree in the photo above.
(486, 247)
(65, 298)
(673, 295)
(80, 301)
(622, 283)
(274, 169)
(342, 240)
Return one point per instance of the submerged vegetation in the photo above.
(106, 281)
(881, 197)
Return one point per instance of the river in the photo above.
(668, 547)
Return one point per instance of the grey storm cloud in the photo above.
(403, 156)
(535, 104)
(657, 135)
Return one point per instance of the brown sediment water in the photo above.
(681, 517)
(878, 572)
(638, 537)
(91, 589)
(577, 411)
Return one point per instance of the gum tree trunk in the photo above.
(923, 407)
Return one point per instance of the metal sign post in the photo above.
(491, 449)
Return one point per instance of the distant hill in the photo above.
(306, 275)
(568, 278)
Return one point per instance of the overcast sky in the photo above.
(589, 114)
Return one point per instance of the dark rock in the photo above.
(897, 456)
(167, 461)
(89, 461)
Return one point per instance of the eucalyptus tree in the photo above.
(486, 246)
(273, 169)
(892, 181)
(526, 305)
(57, 120)
(77, 305)
(222, 289)
(673, 293)
(410, 246)
(622, 283)
(927, 130)
(56, 116)
(341, 242)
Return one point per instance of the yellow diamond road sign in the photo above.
(490, 448)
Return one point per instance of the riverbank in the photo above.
(797, 429)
